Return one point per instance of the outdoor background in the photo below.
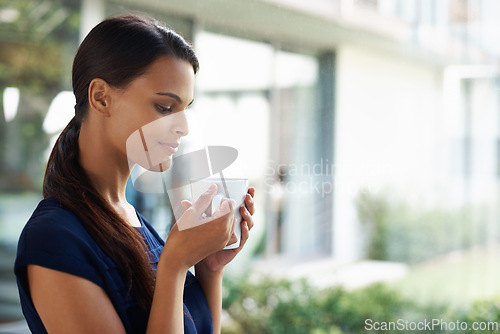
(370, 129)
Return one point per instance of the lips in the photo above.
(169, 147)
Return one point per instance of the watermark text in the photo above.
(429, 324)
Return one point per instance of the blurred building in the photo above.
(338, 97)
(325, 99)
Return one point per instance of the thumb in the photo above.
(205, 199)
(186, 204)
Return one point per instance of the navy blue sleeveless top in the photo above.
(55, 238)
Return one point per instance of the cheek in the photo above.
(122, 127)
(136, 151)
(144, 149)
(124, 130)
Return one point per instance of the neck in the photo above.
(107, 169)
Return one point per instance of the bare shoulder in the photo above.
(70, 304)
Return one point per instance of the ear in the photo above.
(100, 96)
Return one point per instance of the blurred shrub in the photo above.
(395, 231)
(278, 307)
(484, 312)
(294, 307)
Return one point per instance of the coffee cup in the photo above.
(233, 188)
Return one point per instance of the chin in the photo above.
(161, 167)
(154, 166)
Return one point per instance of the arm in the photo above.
(210, 271)
(211, 284)
(70, 304)
(166, 314)
(183, 249)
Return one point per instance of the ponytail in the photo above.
(66, 181)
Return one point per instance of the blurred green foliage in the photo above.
(397, 231)
(37, 42)
(35, 38)
(486, 311)
(283, 306)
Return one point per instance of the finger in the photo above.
(234, 237)
(186, 204)
(232, 240)
(245, 214)
(251, 191)
(249, 203)
(205, 199)
(227, 205)
(232, 204)
(244, 234)
(235, 223)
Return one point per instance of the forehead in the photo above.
(167, 74)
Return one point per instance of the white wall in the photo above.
(92, 12)
(387, 135)
(484, 128)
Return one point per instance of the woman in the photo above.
(87, 261)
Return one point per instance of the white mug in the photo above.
(237, 188)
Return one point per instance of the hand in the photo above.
(194, 236)
(218, 260)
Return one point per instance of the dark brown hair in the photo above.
(117, 50)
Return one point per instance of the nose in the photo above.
(180, 126)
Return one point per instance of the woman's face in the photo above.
(150, 113)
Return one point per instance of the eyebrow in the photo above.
(174, 96)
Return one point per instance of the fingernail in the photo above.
(212, 188)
